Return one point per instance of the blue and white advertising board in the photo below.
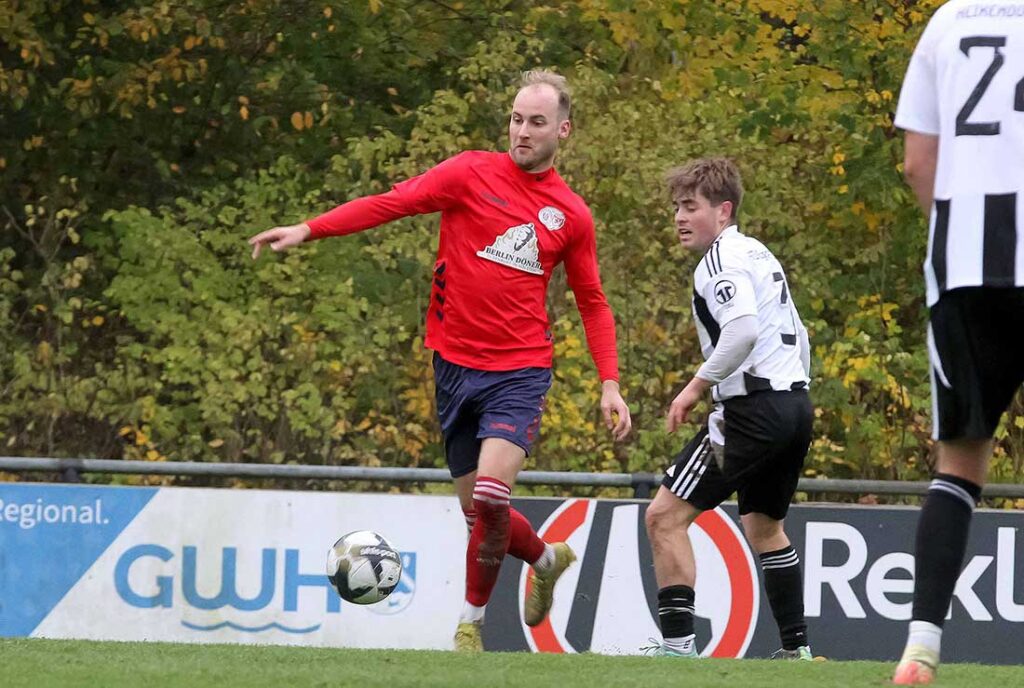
(209, 565)
(247, 566)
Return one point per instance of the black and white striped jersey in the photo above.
(965, 84)
(739, 276)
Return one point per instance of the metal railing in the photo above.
(641, 483)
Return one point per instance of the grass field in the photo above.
(44, 663)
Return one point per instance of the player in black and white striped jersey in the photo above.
(962, 106)
(756, 439)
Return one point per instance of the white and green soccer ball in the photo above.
(363, 567)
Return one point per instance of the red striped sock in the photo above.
(488, 541)
(524, 543)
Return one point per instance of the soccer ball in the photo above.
(363, 567)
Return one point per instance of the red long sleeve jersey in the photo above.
(503, 231)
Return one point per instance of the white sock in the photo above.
(546, 560)
(472, 614)
(925, 633)
(681, 645)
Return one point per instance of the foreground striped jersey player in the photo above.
(962, 106)
(507, 220)
(756, 438)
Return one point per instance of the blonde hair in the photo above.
(537, 77)
(717, 179)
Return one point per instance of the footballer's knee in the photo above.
(967, 459)
(765, 534)
(667, 516)
(464, 488)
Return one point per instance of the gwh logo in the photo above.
(142, 578)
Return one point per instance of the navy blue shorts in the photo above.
(474, 404)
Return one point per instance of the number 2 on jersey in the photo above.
(965, 128)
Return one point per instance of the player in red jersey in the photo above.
(507, 220)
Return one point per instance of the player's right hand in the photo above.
(279, 238)
(614, 410)
(684, 402)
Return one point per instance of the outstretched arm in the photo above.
(434, 190)
(347, 218)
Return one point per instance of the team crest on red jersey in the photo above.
(552, 218)
(516, 248)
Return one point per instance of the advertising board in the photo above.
(247, 566)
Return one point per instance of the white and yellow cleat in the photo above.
(917, 668)
(542, 585)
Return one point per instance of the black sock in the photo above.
(941, 543)
(783, 584)
(675, 611)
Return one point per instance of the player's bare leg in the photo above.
(668, 520)
(464, 485)
(782, 582)
(939, 551)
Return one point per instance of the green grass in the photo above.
(44, 663)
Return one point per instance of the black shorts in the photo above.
(766, 439)
(474, 404)
(977, 359)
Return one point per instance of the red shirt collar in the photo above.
(544, 176)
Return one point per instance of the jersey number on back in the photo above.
(787, 338)
(965, 128)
